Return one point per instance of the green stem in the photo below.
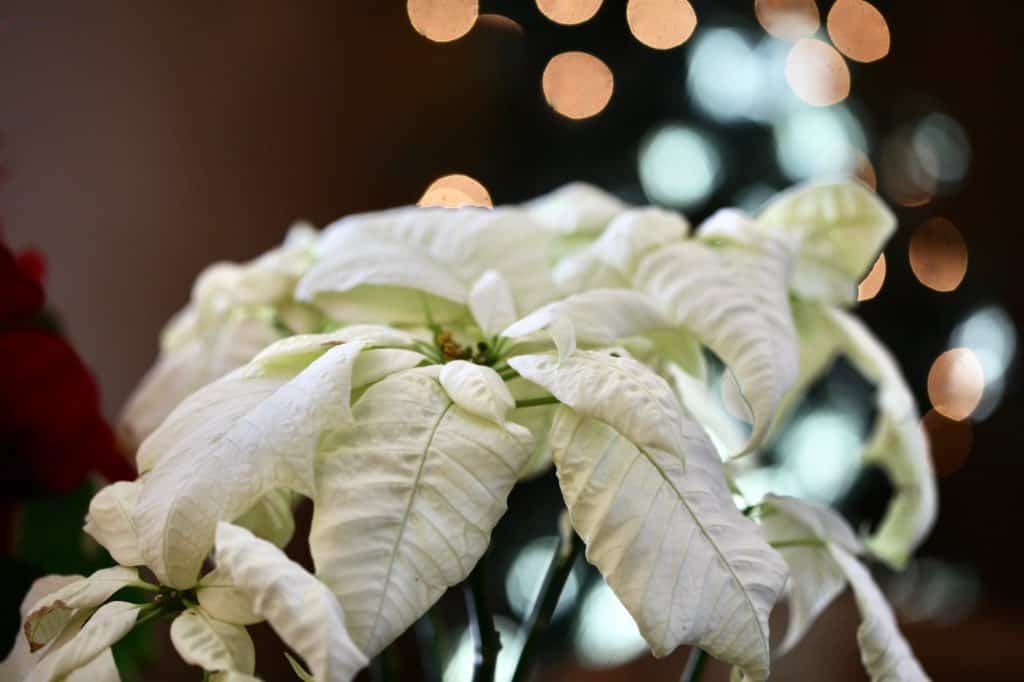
(534, 402)
(486, 640)
(803, 542)
(547, 599)
(694, 666)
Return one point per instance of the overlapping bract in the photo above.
(398, 418)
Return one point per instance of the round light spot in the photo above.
(956, 382)
(859, 30)
(500, 22)
(724, 74)
(453, 191)
(442, 20)
(991, 334)
(950, 441)
(577, 84)
(813, 142)
(568, 12)
(873, 281)
(904, 168)
(942, 145)
(661, 24)
(788, 19)
(679, 167)
(938, 255)
(816, 73)
(863, 170)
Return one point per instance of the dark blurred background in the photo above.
(143, 141)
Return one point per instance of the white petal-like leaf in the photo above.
(801, 532)
(20, 660)
(883, 650)
(576, 207)
(477, 389)
(49, 616)
(842, 227)
(228, 445)
(220, 598)
(406, 502)
(107, 626)
(898, 444)
(211, 644)
(735, 301)
(111, 522)
(232, 676)
(618, 391)
(271, 517)
(678, 554)
(299, 607)
(492, 304)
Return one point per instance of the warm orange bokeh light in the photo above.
(938, 255)
(661, 24)
(577, 84)
(955, 383)
(817, 73)
(499, 22)
(872, 282)
(950, 441)
(453, 191)
(788, 19)
(442, 20)
(859, 30)
(568, 12)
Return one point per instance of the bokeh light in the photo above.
(938, 255)
(442, 20)
(822, 449)
(788, 19)
(605, 634)
(859, 30)
(863, 170)
(812, 143)
(454, 191)
(724, 76)
(679, 167)
(661, 24)
(817, 73)
(500, 22)
(955, 383)
(577, 84)
(459, 666)
(873, 281)
(526, 574)
(568, 12)
(991, 334)
(777, 480)
(942, 147)
(950, 441)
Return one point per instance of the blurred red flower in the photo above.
(52, 432)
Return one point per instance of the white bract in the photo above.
(404, 370)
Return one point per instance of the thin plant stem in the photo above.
(535, 402)
(486, 640)
(547, 599)
(694, 666)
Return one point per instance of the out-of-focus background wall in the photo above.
(142, 141)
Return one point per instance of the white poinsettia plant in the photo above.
(405, 369)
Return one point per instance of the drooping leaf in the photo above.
(406, 501)
(672, 545)
(883, 650)
(801, 531)
(111, 522)
(299, 607)
(211, 644)
(842, 227)
(734, 299)
(105, 627)
(228, 445)
(50, 615)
